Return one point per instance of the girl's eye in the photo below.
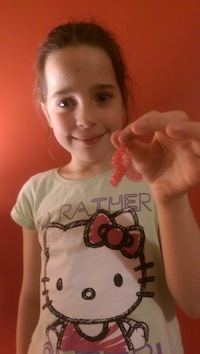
(67, 102)
(104, 98)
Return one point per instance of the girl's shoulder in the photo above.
(39, 181)
(41, 177)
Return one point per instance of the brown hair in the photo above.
(82, 33)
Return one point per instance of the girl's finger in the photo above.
(157, 121)
(115, 139)
(149, 124)
(184, 130)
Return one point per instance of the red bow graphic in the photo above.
(102, 229)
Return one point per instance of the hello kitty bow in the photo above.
(103, 230)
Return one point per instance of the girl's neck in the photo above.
(84, 170)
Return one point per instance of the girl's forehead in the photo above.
(80, 57)
(79, 65)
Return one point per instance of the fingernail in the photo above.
(178, 129)
(142, 126)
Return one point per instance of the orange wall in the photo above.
(161, 39)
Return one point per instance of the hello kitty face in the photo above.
(91, 265)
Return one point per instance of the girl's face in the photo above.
(83, 104)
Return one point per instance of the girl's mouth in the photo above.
(90, 140)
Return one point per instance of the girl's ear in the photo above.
(44, 110)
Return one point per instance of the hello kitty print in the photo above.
(94, 277)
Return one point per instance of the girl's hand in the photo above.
(170, 163)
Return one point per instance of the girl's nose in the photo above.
(85, 118)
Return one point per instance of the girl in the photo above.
(102, 276)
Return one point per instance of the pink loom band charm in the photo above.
(122, 166)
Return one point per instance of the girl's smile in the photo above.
(89, 140)
(83, 105)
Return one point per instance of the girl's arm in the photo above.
(29, 302)
(180, 240)
(170, 163)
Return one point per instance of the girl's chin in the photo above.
(100, 157)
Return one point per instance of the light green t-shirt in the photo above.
(103, 288)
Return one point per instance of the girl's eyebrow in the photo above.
(61, 92)
(102, 87)
(95, 87)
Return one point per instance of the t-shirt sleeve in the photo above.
(23, 211)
